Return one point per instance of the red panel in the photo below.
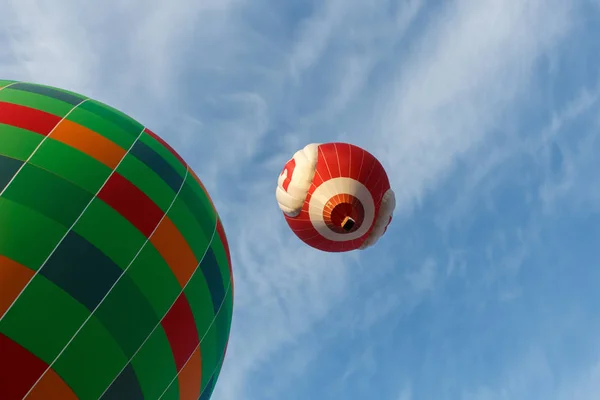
(378, 185)
(326, 245)
(304, 230)
(19, 369)
(290, 167)
(321, 173)
(345, 156)
(27, 118)
(327, 164)
(334, 158)
(180, 327)
(368, 168)
(165, 144)
(131, 203)
(357, 158)
(301, 225)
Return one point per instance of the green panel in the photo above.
(200, 207)
(130, 126)
(152, 275)
(4, 82)
(164, 153)
(43, 319)
(47, 193)
(91, 362)
(154, 365)
(202, 195)
(223, 322)
(101, 126)
(35, 100)
(147, 181)
(185, 222)
(216, 374)
(222, 260)
(110, 232)
(228, 307)
(26, 227)
(198, 296)
(215, 377)
(126, 313)
(71, 164)
(18, 143)
(210, 357)
(173, 392)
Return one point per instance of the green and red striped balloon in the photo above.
(115, 274)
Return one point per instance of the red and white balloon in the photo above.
(335, 197)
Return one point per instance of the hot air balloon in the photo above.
(335, 197)
(115, 274)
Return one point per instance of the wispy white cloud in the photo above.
(566, 166)
(470, 71)
(237, 87)
(46, 43)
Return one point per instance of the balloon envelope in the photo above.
(115, 275)
(335, 197)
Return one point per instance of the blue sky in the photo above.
(485, 114)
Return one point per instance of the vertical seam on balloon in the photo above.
(375, 186)
(200, 343)
(167, 312)
(326, 163)
(68, 230)
(362, 162)
(370, 173)
(65, 235)
(350, 161)
(337, 157)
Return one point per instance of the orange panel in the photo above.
(190, 377)
(51, 386)
(173, 247)
(13, 278)
(89, 142)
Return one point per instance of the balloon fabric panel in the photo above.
(335, 197)
(115, 273)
